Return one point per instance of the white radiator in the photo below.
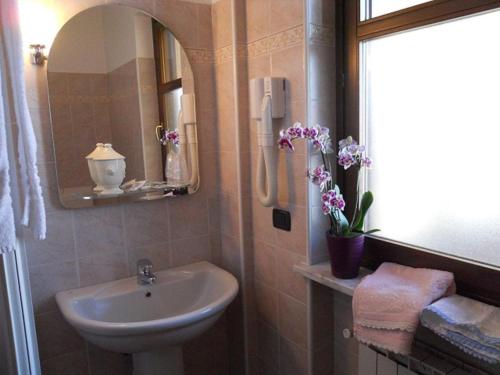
(371, 362)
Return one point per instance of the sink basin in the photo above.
(151, 321)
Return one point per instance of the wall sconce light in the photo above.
(37, 54)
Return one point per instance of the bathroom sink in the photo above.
(151, 321)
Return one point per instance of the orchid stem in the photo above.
(355, 214)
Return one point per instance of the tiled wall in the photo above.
(232, 238)
(267, 326)
(125, 114)
(80, 119)
(148, 96)
(89, 246)
(120, 107)
(271, 38)
(276, 47)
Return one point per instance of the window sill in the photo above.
(322, 274)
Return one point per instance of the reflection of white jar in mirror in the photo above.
(109, 167)
(90, 163)
(176, 170)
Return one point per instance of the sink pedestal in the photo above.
(167, 361)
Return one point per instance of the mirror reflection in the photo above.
(123, 112)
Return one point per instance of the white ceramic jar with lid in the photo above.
(90, 163)
(109, 169)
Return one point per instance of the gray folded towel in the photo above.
(472, 326)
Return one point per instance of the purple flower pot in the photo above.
(345, 255)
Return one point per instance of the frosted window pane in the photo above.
(375, 8)
(431, 120)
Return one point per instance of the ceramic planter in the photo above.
(345, 255)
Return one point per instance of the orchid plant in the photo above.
(350, 154)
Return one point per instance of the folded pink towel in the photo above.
(387, 304)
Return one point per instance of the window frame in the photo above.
(350, 31)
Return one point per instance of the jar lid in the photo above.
(107, 153)
(96, 151)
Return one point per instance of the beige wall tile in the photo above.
(266, 262)
(146, 223)
(258, 19)
(99, 231)
(294, 73)
(286, 14)
(204, 77)
(266, 300)
(59, 246)
(190, 250)
(231, 256)
(55, 336)
(268, 344)
(159, 254)
(293, 320)
(221, 23)
(48, 279)
(229, 219)
(292, 177)
(188, 216)
(259, 66)
(289, 281)
(74, 363)
(228, 177)
(296, 239)
(262, 223)
(293, 359)
(103, 362)
(204, 26)
(103, 268)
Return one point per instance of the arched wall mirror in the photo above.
(123, 109)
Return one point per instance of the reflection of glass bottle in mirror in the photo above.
(176, 170)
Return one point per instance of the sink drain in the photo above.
(148, 294)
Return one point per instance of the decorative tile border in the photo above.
(281, 40)
(225, 54)
(276, 41)
(200, 56)
(319, 34)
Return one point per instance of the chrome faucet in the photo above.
(145, 275)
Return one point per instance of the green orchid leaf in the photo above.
(366, 202)
(344, 223)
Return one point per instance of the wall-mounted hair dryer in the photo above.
(188, 140)
(267, 101)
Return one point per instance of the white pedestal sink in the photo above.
(151, 321)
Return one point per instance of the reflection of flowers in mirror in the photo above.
(170, 136)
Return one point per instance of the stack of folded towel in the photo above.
(387, 304)
(472, 326)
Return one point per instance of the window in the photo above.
(375, 8)
(431, 121)
(421, 90)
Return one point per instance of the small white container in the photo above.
(109, 170)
